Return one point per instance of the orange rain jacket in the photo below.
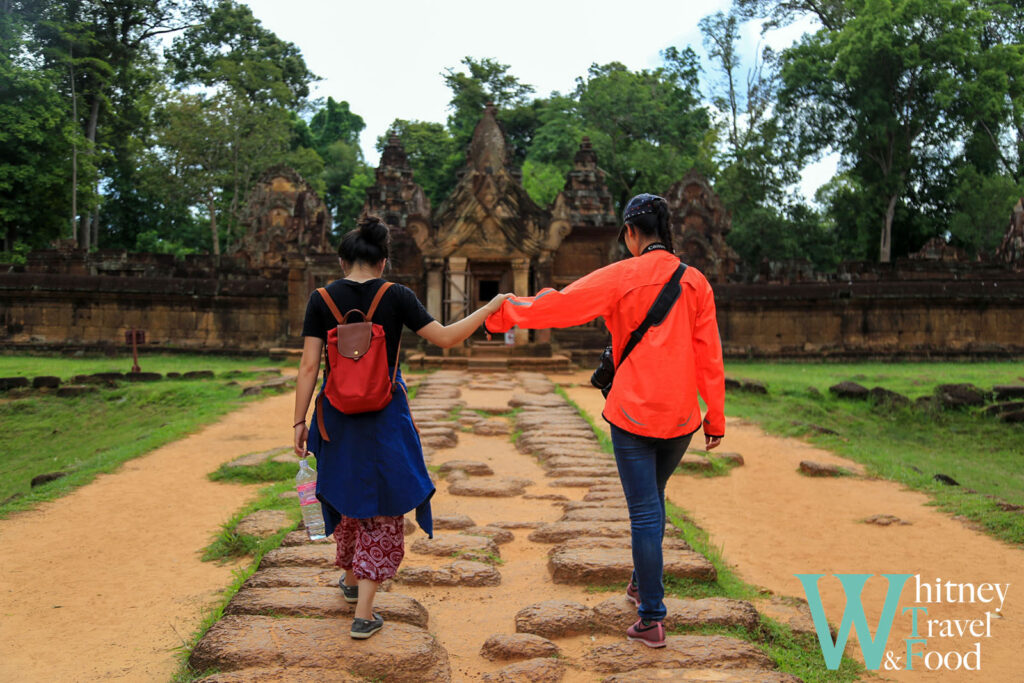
(655, 393)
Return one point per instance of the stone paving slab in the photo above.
(281, 675)
(311, 555)
(556, 532)
(616, 614)
(278, 577)
(702, 676)
(458, 573)
(539, 670)
(504, 646)
(501, 488)
(321, 601)
(450, 544)
(400, 653)
(555, 619)
(680, 652)
(610, 565)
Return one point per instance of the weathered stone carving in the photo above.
(937, 249)
(284, 216)
(403, 205)
(1011, 250)
(699, 224)
(489, 215)
(585, 200)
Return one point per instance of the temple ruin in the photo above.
(487, 237)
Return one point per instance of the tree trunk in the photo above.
(213, 224)
(74, 149)
(885, 248)
(96, 225)
(90, 135)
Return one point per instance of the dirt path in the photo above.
(105, 582)
(772, 523)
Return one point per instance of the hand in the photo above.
(712, 442)
(301, 434)
(494, 305)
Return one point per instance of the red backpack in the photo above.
(357, 362)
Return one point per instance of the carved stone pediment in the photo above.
(283, 215)
(489, 214)
(699, 223)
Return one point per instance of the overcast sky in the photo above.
(386, 58)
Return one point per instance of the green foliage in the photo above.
(646, 126)
(433, 154)
(35, 138)
(882, 88)
(485, 80)
(334, 133)
(542, 181)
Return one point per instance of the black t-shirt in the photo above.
(399, 306)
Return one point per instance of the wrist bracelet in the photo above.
(300, 422)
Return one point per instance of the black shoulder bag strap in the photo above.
(659, 309)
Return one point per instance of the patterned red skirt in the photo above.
(370, 548)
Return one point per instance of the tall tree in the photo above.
(253, 82)
(879, 88)
(648, 127)
(36, 135)
(757, 164)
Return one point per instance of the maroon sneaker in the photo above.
(633, 593)
(651, 634)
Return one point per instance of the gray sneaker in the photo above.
(351, 593)
(364, 628)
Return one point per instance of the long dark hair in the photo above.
(655, 224)
(369, 243)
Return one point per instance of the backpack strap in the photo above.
(330, 304)
(376, 300)
(659, 309)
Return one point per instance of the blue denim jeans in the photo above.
(645, 465)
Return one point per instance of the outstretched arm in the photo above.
(447, 336)
(581, 301)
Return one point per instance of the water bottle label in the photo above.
(307, 493)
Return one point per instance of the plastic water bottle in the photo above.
(312, 516)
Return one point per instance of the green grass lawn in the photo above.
(65, 367)
(908, 444)
(96, 432)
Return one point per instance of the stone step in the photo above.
(320, 601)
(399, 653)
(680, 652)
(611, 565)
(616, 614)
(458, 573)
(702, 676)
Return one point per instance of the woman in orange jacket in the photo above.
(652, 406)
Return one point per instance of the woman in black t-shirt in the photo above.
(371, 471)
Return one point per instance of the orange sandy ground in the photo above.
(104, 583)
(772, 523)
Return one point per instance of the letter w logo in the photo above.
(853, 615)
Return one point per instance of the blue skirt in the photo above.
(373, 464)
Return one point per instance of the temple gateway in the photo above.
(489, 236)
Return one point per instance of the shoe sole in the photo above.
(363, 636)
(349, 600)
(646, 642)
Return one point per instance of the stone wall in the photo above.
(873, 319)
(94, 311)
(918, 318)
